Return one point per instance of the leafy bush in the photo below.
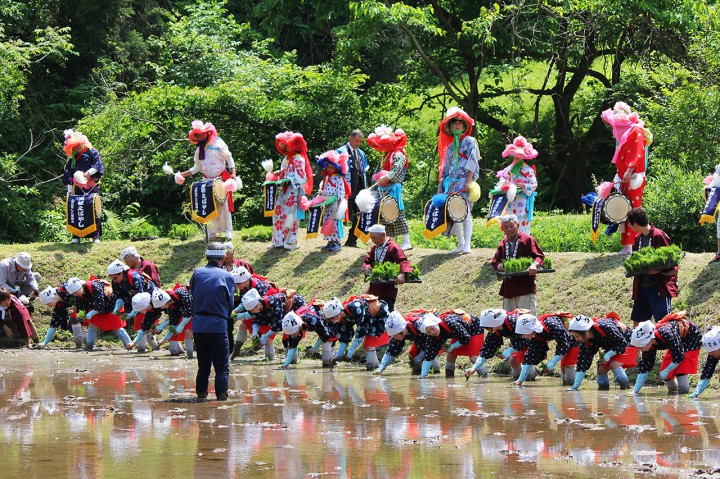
(674, 201)
(255, 233)
(143, 229)
(649, 258)
(182, 231)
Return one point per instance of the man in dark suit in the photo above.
(356, 177)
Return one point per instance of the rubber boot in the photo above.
(189, 348)
(683, 383)
(124, 336)
(91, 335)
(621, 377)
(371, 360)
(142, 342)
(78, 335)
(327, 354)
(151, 341)
(569, 376)
(672, 386)
(449, 370)
(175, 348)
(269, 351)
(603, 382)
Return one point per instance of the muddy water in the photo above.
(110, 415)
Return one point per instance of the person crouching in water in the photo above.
(16, 318)
(96, 298)
(680, 338)
(368, 314)
(60, 300)
(294, 326)
(462, 329)
(610, 335)
(244, 282)
(500, 324)
(540, 332)
(401, 329)
(711, 342)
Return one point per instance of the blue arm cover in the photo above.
(609, 355)
(578, 380)
(289, 357)
(354, 345)
(386, 360)
(478, 364)
(507, 352)
(524, 372)
(665, 372)
(426, 365)
(553, 362)
(700, 387)
(641, 378)
(118, 305)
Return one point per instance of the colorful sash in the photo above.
(365, 221)
(596, 213)
(497, 209)
(712, 202)
(80, 214)
(202, 200)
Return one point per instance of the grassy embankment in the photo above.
(587, 283)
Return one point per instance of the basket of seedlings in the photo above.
(387, 273)
(518, 267)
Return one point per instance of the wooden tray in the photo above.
(407, 281)
(646, 271)
(524, 273)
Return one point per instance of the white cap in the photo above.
(427, 320)
(159, 298)
(527, 323)
(711, 339)
(378, 228)
(395, 323)
(291, 323)
(73, 285)
(332, 308)
(581, 323)
(215, 250)
(251, 299)
(505, 219)
(23, 259)
(116, 267)
(129, 251)
(48, 295)
(141, 302)
(240, 274)
(492, 318)
(229, 246)
(642, 334)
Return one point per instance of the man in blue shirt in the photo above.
(212, 290)
(356, 178)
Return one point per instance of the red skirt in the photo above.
(689, 365)
(571, 358)
(376, 341)
(265, 329)
(470, 349)
(413, 351)
(519, 356)
(181, 335)
(248, 323)
(628, 359)
(107, 321)
(138, 319)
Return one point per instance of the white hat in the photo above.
(394, 323)
(240, 274)
(378, 228)
(116, 267)
(48, 295)
(23, 259)
(332, 308)
(141, 302)
(159, 298)
(711, 339)
(492, 318)
(427, 320)
(291, 323)
(228, 246)
(580, 323)
(505, 219)
(251, 299)
(129, 251)
(73, 285)
(642, 334)
(527, 323)
(215, 250)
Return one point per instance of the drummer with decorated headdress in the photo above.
(630, 160)
(391, 145)
(517, 182)
(296, 177)
(459, 168)
(82, 172)
(384, 250)
(680, 338)
(334, 167)
(518, 292)
(500, 324)
(214, 160)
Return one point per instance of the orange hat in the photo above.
(73, 139)
(200, 127)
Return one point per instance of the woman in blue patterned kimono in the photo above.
(459, 167)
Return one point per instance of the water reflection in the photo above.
(117, 415)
